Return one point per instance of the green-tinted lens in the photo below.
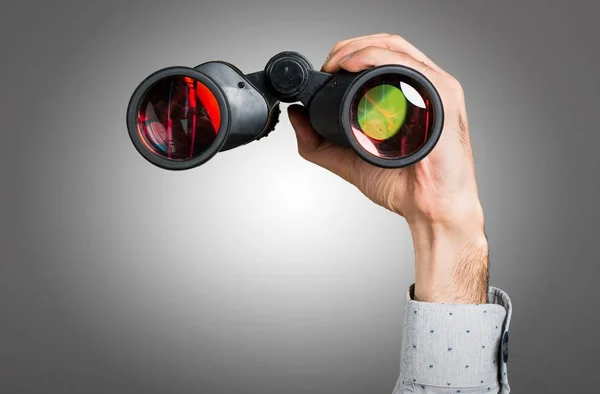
(382, 111)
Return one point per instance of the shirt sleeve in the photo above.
(455, 348)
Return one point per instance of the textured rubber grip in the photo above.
(273, 120)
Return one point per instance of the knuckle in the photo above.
(305, 155)
(302, 152)
(337, 46)
(352, 47)
(370, 50)
(427, 69)
(397, 38)
(406, 59)
(456, 87)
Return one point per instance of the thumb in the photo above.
(314, 148)
(308, 140)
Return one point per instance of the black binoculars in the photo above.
(180, 117)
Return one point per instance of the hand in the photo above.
(437, 196)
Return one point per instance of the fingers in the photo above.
(341, 44)
(374, 56)
(312, 147)
(386, 41)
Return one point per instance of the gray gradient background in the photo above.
(259, 272)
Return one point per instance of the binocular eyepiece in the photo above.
(180, 117)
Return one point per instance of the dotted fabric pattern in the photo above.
(455, 348)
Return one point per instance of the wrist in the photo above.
(451, 258)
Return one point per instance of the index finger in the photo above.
(375, 56)
(342, 43)
(392, 42)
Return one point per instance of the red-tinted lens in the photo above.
(391, 116)
(178, 118)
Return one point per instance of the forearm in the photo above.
(451, 258)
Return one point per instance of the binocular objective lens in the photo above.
(391, 116)
(178, 118)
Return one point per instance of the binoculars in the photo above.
(180, 117)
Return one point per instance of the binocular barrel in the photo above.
(178, 118)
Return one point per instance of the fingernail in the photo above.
(325, 63)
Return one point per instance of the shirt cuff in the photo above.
(456, 345)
